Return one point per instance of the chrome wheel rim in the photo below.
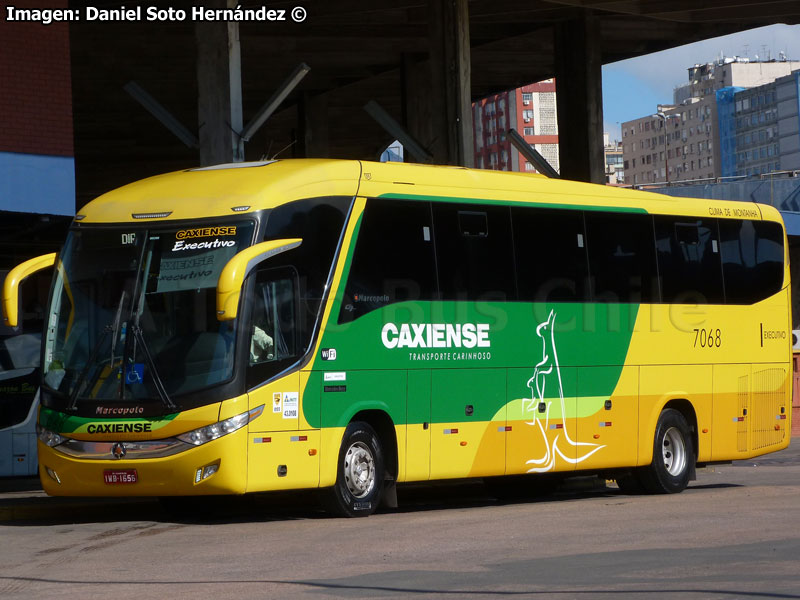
(673, 450)
(359, 470)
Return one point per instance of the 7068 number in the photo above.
(707, 338)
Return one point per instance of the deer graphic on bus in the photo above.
(546, 380)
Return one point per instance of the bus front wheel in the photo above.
(359, 473)
(672, 455)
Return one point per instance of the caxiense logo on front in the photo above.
(436, 335)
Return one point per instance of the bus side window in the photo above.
(393, 259)
(550, 253)
(474, 253)
(689, 263)
(273, 331)
(319, 222)
(622, 263)
(752, 259)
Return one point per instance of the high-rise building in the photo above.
(676, 143)
(759, 127)
(683, 141)
(531, 111)
(787, 94)
(612, 151)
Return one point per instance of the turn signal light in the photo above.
(53, 475)
(205, 472)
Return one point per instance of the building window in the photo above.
(527, 130)
(527, 97)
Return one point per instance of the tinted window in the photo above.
(319, 223)
(474, 252)
(689, 260)
(19, 376)
(274, 338)
(752, 259)
(393, 259)
(622, 263)
(19, 352)
(551, 255)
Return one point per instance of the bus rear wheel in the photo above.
(673, 452)
(359, 474)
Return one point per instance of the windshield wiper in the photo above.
(81, 380)
(138, 336)
(115, 327)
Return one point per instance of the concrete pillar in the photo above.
(312, 126)
(579, 99)
(415, 96)
(451, 99)
(219, 89)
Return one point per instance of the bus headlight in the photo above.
(49, 438)
(205, 434)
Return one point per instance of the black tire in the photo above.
(359, 473)
(673, 455)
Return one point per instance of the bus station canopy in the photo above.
(357, 52)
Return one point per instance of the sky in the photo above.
(634, 88)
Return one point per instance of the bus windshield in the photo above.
(133, 313)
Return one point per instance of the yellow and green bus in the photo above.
(349, 325)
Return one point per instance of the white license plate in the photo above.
(118, 477)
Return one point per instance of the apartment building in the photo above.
(531, 111)
(683, 141)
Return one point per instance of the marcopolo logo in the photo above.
(436, 335)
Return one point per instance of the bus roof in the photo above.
(224, 190)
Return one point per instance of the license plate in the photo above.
(117, 477)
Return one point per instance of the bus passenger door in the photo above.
(418, 426)
(541, 420)
(607, 417)
(468, 423)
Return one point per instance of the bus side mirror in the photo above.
(14, 279)
(229, 286)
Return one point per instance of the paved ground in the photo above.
(734, 533)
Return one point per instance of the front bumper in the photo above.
(168, 476)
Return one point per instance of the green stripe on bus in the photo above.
(454, 199)
(527, 345)
(63, 423)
